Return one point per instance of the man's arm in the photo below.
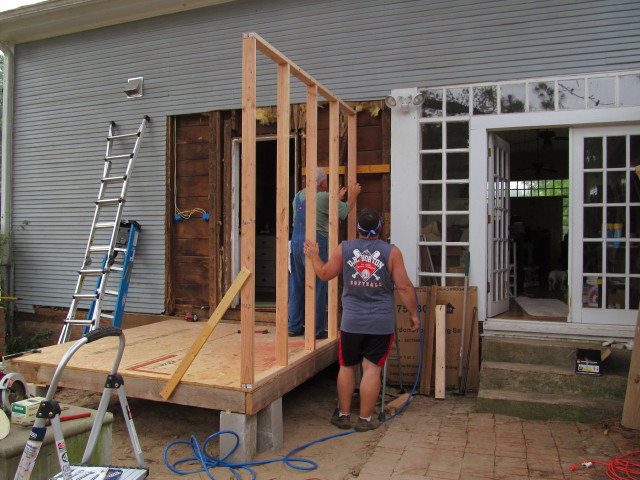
(326, 271)
(403, 285)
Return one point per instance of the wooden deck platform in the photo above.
(153, 352)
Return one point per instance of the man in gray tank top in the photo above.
(371, 268)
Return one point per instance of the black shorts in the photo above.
(352, 347)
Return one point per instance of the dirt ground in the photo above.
(306, 413)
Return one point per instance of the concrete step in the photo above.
(545, 406)
(550, 379)
(550, 352)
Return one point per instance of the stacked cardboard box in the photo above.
(410, 345)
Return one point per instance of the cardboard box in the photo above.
(24, 411)
(409, 342)
(589, 361)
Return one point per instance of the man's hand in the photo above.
(311, 249)
(343, 194)
(415, 323)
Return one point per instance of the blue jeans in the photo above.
(296, 286)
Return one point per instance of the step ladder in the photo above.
(105, 237)
(49, 413)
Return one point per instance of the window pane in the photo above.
(634, 292)
(458, 197)
(485, 100)
(593, 152)
(601, 92)
(616, 152)
(634, 150)
(615, 258)
(431, 136)
(432, 106)
(512, 98)
(457, 166)
(430, 258)
(571, 94)
(430, 230)
(616, 187)
(457, 135)
(592, 257)
(629, 92)
(431, 197)
(592, 222)
(634, 258)
(431, 166)
(593, 187)
(591, 288)
(541, 96)
(426, 281)
(615, 292)
(634, 229)
(616, 215)
(457, 101)
(458, 228)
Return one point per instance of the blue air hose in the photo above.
(207, 462)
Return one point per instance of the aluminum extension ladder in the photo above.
(49, 410)
(104, 236)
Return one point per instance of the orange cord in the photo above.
(624, 467)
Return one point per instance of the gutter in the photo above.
(6, 187)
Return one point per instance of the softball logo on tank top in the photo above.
(365, 265)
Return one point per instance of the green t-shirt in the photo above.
(322, 210)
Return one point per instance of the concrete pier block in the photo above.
(270, 436)
(246, 427)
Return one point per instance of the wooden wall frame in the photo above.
(253, 43)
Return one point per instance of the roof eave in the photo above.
(54, 18)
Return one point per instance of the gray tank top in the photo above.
(367, 295)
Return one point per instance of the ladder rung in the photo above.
(123, 135)
(105, 224)
(92, 271)
(110, 201)
(116, 269)
(118, 179)
(78, 321)
(85, 296)
(111, 292)
(99, 249)
(118, 157)
(107, 316)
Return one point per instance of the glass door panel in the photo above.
(607, 208)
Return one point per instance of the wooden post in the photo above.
(310, 231)
(441, 333)
(352, 165)
(334, 151)
(282, 215)
(428, 342)
(631, 409)
(248, 203)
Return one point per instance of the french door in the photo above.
(498, 252)
(605, 212)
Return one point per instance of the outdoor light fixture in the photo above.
(134, 87)
(404, 101)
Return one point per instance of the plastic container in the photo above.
(592, 291)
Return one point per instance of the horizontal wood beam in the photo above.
(274, 54)
(361, 169)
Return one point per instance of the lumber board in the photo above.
(428, 343)
(440, 340)
(310, 227)
(282, 213)
(203, 336)
(352, 165)
(360, 169)
(396, 402)
(248, 205)
(631, 409)
(334, 150)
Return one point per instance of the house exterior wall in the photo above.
(69, 88)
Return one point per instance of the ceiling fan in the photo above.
(544, 145)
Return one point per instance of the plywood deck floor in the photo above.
(153, 352)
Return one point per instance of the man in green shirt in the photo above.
(296, 277)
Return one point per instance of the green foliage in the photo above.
(19, 344)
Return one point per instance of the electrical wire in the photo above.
(208, 462)
(624, 467)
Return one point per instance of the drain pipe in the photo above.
(6, 190)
